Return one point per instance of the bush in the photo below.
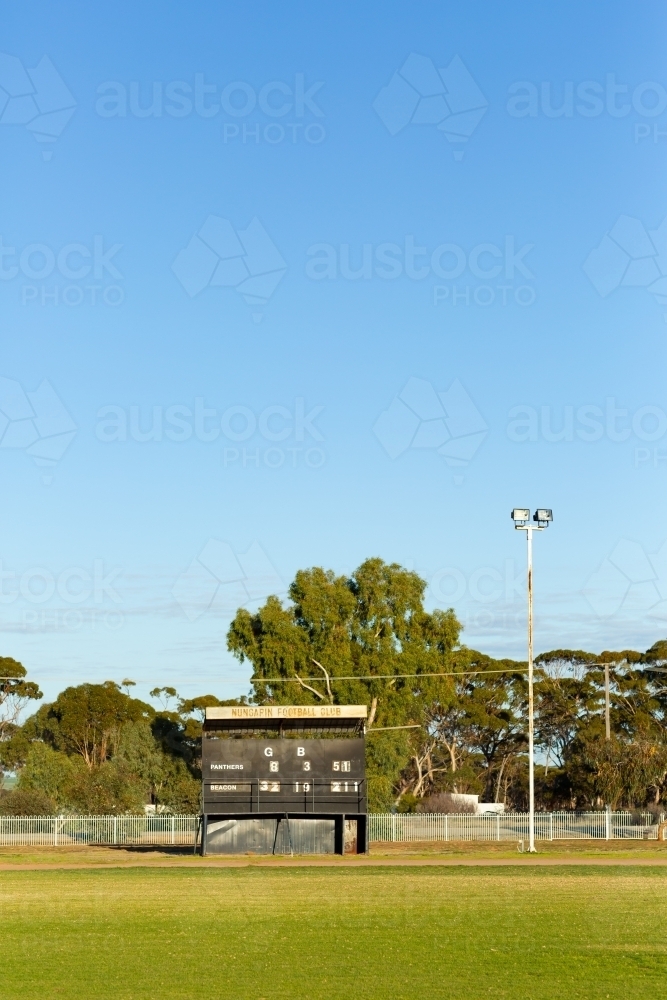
(381, 796)
(26, 802)
(653, 810)
(387, 754)
(107, 789)
(407, 803)
(182, 792)
(50, 772)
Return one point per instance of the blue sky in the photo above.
(307, 286)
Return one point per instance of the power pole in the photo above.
(607, 721)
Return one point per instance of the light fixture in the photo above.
(520, 515)
(543, 515)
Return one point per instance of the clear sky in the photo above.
(295, 285)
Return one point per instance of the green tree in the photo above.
(369, 625)
(165, 695)
(387, 758)
(165, 778)
(618, 772)
(50, 772)
(657, 653)
(629, 768)
(144, 758)
(15, 693)
(351, 640)
(471, 726)
(568, 696)
(87, 720)
(96, 749)
(109, 788)
(494, 728)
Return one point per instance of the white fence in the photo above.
(512, 826)
(63, 831)
(181, 831)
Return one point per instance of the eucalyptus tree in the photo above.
(356, 639)
(359, 639)
(15, 693)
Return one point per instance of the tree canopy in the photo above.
(15, 693)
(442, 717)
(95, 749)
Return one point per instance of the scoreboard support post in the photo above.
(362, 834)
(339, 834)
(284, 779)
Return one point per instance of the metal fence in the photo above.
(62, 831)
(162, 831)
(512, 826)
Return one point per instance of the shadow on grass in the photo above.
(170, 850)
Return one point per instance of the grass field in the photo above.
(305, 934)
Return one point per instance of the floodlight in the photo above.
(543, 515)
(520, 515)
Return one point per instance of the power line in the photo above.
(391, 677)
(384, 677)
(381, 729)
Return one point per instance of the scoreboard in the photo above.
(299, 766)
(284, 775)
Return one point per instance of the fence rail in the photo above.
(512, 826)
(63, 831)
(181, 831)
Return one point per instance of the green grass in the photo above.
(306, 934)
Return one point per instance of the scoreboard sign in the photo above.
(324, 715)
(284, 775)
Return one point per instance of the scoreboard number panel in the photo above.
(257, 759)
(269, 786)
(299, 775)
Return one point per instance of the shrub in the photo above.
(408, 803)
(50, 772)
(107, 789)
(26, 802)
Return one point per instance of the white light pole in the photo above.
(521, 518)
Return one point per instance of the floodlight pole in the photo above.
(525, 525)
(531, 699)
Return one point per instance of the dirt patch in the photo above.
(427, 853)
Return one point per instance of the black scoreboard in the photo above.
(282, 763)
